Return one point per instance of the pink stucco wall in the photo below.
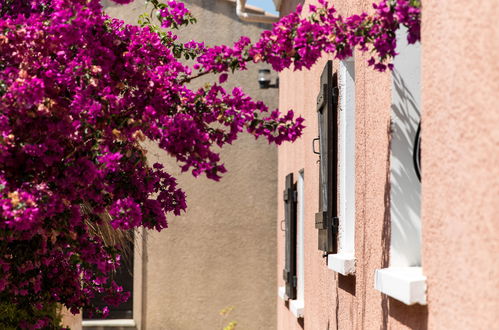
(461, 163)
(460, 192)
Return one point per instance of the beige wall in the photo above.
(460, 92)
(222, 252)
(71, 321)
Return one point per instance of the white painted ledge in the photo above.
(296, 307)
(282, 293)
(126, 323)
(343, 263)
(407, 284)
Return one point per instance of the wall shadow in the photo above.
(386, 232)
(401, 224)
(301, 322)
(347, 283)
(413, 316)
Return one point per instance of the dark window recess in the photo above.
(326, 220)
(124, 278)
(289, 272)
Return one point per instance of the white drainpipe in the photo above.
(254, 18)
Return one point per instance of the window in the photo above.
(344, 261)
(289, 271)
(326, 220)
(128, 276)
(293, 273)
(404, 279)
(297, 306)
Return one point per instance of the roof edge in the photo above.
(256, 10)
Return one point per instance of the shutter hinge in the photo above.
(286, 276)
(295, 281)
(335, 224)
(336, 92)
(320, 220)
(295, 196)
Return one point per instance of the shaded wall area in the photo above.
(222, 251)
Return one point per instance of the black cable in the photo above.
(416, 152)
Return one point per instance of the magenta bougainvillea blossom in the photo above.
(80, 92)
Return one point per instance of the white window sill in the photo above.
(343, 263)
(407, 284)
(282, 293)
(296, 307)
(124, 323)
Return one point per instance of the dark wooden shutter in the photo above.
(326, 220)
(289, 272)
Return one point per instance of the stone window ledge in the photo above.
(406, 284)
(295, 306)
(121, 323)
(343, 263)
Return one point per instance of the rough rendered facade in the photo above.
(458, 229)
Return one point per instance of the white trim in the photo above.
(405, 188)
(128, 323)
(277, 4)
(281, 292)
(296, 307)
(255, 18)
(138, 275)
(406, 284)
(343, 263)
(347, 156)
(138, 289)
(300, 226)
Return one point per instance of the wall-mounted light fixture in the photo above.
(264, 79)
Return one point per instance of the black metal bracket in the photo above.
(335, 225)
(416, 152)
(313, 146)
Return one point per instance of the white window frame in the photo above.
(344, 261)
(404, 279)
(136, 321)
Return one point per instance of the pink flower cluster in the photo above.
(173, 14)
(301, 41)
(80, 92)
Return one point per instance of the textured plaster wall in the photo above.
(460, 190)
(333, 301)
(460, 155)
(222, 252)
(70, 320)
